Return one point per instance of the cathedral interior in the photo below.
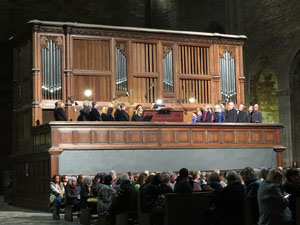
(271, 53)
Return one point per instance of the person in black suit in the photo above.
(59, 113)
(249, 115)
(241, 115)
(231, 114)
(256, 115)
(121, 115)
(85, 112)
(94, 113)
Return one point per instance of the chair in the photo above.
(69, 213)
(143, 218)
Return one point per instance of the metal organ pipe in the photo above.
(227, 67)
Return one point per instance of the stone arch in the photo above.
(295, 106)
(263, 87)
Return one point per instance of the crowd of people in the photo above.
(272, 193)
(227, 113)
(221, 113)
(90, 112)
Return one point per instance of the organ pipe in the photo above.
(228, 86)
(51, 72)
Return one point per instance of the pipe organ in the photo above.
(137, 65)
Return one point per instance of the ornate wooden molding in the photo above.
(58, 40)
(229, 49)
(166, 50)
(122, 46)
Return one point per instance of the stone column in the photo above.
(284, 105)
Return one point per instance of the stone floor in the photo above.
(13, 215)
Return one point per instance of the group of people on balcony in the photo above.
(272, 198)
(91, 113)
(219, 114)
(228, 114)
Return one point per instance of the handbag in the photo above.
(52, 198)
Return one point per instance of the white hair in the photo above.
(86, 103)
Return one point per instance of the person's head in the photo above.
(263, 173)
(232, 177)
(94, 104)
(194, 114)
(80, 178)
(217, 108)
(108, 180)
(64, 178)
(113, 174)
(60, 104)
(214, 177)
(124, 178)
(183, 172)
(292, 176)
(110, 110)
(147, 172)
(140, 110)
(56, 179)
(55, 104)
(275, 176)
(86, 104)
(230, 105)
(199, 111)
(131, 177)
(122, 106)
(165, 177)
(157, 179)
(72, 181)
(248, 175)
(196, 175)
(87, 181)
(104, 110)
(250, 109)
(205, 107)
(241, 107)
(141, 179)
(256, 107)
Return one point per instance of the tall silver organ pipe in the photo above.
(168, 78)
(227, 68)
(51, 72)
(121, 61)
